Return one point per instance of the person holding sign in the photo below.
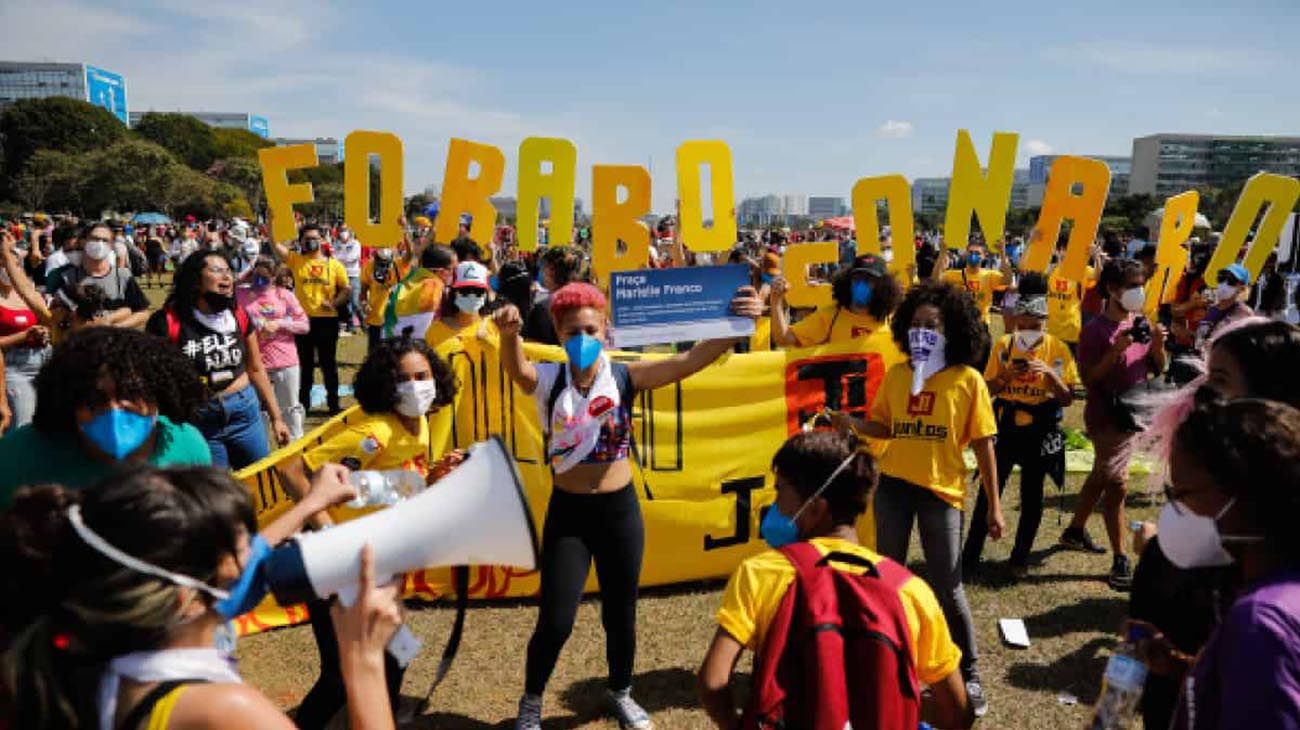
(980, 282)
(586, 409)
(865, 295)
(460, 308)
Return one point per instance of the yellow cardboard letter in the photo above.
(795, 267)
(1083, 210)
(721, 234)
(1279, 193)
(612, 221)
(280, 195)
(987, 195)
(356, 187)
(463, 194)
(556, 185)
(897, 194)
(1171, 258)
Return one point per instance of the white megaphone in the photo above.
(477, 515)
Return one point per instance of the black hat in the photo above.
(869, 264)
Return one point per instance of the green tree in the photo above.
(190, 140)
(1133, 208)
(231, 143)
(49, 177)
(55, 123)
(131, 175)
(243, 173)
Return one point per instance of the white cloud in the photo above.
(1134, 57)
(894, 129)
(1037, 147)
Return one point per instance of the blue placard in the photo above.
(652, 306)
(259, 126)
(107, 89)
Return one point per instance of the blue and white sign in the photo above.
(107, 89)
(653, 306)
(259, 126)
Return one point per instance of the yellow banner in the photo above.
(707, 444)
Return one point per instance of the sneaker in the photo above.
(1121, 574)
(530, 713)
(629, 714)
(975, 693)
(1077, 538)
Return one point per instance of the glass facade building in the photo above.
(1168, 164)
(21, 80)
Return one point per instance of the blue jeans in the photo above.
(21, 366)
(232, 425)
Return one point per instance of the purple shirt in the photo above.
(1095, 341)
(1248, 675)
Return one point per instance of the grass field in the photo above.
(1070, 612)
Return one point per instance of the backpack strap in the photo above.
(557, 387)
(627, 392)
(151, 699)
(241, 320)
(173, 325)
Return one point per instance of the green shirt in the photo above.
(29, 457)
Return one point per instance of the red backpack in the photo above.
(838, 653)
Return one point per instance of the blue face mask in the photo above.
(973, 260)
(777, 530)
(861, 291)
(251, 587)
(766, 278)
(118, 432)
(495, 283)
(582, 349)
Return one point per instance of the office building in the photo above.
(21, 80)
(930, 195)
(1168, 164)
(329, 151)
(507, 207)
(770, 209)
(1040, 165)
(221, 120)
(822, 207)
(1020, 190)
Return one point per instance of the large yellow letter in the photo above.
(897, 194)
(1083, 210)
(1171, 258)
(721, 235)
(1280, 194)
(463, 194)
(795, 268)
(280, 195)
(971, 190)
(356, 187)
(612, 221)
(556, 185)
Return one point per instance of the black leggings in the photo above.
(1013, 447)
(328, 695)
(608, 528)
(320, 346)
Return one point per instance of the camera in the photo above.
(1141, 330)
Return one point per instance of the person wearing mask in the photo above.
(930, 409)
(1031, 376)
(201, 317)
(397, 386)
(974, 278)
(184, 244)
(517, 287)
(823, 486)
(321, 285)
(129, 588)
(865, 296)
(560, 265)
(1065, 301)
(461, 306)
(1119, 352)
(593, 513)
(65, 244)
(1191, 301)
(1229, 303)
(24, 334)
(347, 249)
(107, 397)
(1234, 481)
(379, 276)
(127, 304)
(277, 317)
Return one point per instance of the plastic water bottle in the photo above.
(1121, 687)
(381, 488)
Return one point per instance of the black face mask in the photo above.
(381, 272)
(218, 301)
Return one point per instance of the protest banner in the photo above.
(653, 306)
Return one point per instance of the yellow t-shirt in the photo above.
(316, 283)
(440, 332)
(1064, 305)
(379, 441)
(1030, 388)
(755, 590)
(833, 323)
(377, 292)
(981, 286)
(931, 429)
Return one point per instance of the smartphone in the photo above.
(1019, 362)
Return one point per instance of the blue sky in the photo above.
(810, 96)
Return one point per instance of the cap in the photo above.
(1237, 272)
(513, 271)
(384, 254)
(1035, 306)
(470, 274)
(771, 264)
(869, 264)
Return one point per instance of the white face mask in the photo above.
(1190, 540)
(415, 396)
(926, 348)
(96, 250)
(470, 303)
(1027, 340)
(1133, 300)
(1224, 292)
(887, 255)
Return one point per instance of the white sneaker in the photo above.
(629, 714)
(530, 713)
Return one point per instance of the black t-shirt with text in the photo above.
(219, 357)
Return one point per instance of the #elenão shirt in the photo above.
(930, 430)
(1031, 388)
(755, 591)
(981, 286)
(1065, 305)
(316, 283)
(379, 441)
(833, 323)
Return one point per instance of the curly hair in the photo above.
(807, 460)
(1033, 284)
(964, 330)
(188, 282)
(577, 295)
(566, 264)
(885, 293)
(140, 365)
(375, 385)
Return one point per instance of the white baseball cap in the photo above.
(470, 275)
